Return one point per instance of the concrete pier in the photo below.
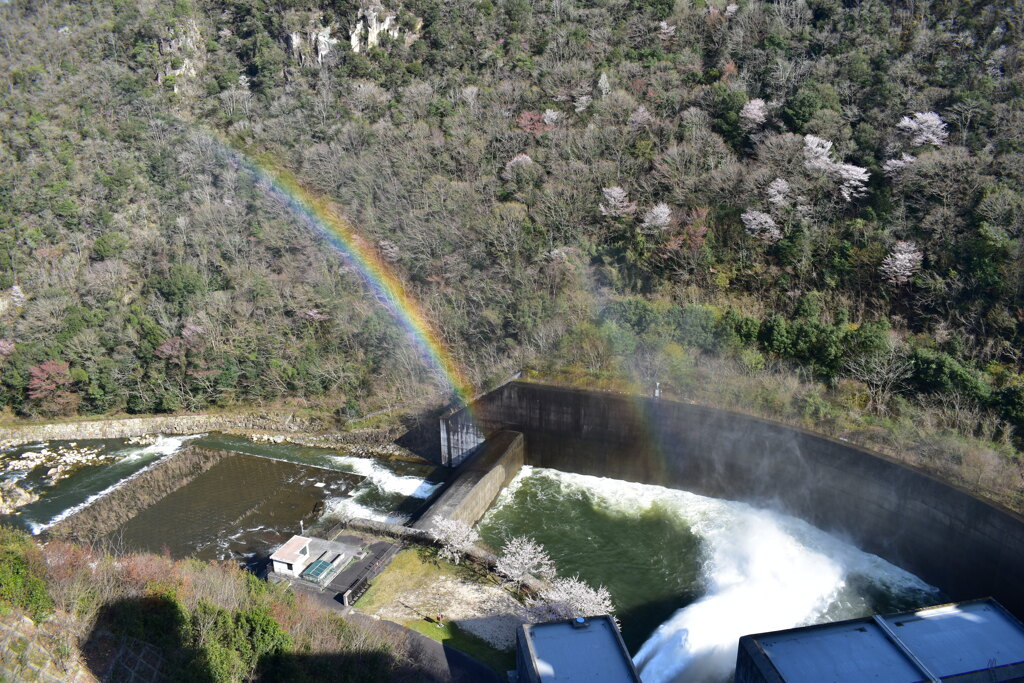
(478, 481)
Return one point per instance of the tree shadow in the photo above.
(149, 639)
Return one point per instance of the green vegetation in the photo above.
(818, 194)
(209, 622)
(21, 575)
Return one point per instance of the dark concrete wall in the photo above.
(478, 481)
(965, 546)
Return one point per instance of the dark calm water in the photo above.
(240, 507)
(689, 575)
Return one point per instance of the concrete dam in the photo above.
(965, 546)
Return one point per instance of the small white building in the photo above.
(292, 557)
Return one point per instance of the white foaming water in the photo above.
(163, 446)
(349, 507)
(386, 480)
(763, 571)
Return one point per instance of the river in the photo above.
(240, 507)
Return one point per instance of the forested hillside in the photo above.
(603, 186)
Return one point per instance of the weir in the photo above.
(965, 546)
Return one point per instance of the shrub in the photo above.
(21, 574)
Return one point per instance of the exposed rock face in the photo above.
(181, 54)
(372, 21)
(13, 497)
(312, 44)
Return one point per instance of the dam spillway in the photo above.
(689, 575)
(965, 546)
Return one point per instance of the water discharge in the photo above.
(707, 570)
(380, 495)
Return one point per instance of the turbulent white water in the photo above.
(384, 479)
(163, 447)
(762, 571)
(370, 499)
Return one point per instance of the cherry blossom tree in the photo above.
(893, 167)
(762, 226)
(853, 181)
(754, 113)
(50, 385)
(518, 161)
(902, 263)
(6, 348)
(616, 203)
(778, 193)
(818, 158)
(640, 118)
(521, 558)
(656, 219)
(571, 597)
(550, 117)
(456, 538)
(924, 128)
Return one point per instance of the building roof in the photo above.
(927, 644)
(573, 651)
(289, 552)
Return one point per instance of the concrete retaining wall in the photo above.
(120, 428)
(147, 487)
(478, 481)
(967, 547)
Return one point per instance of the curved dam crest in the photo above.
(967, 547)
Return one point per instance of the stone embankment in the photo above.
(150, 485)
(121, 428)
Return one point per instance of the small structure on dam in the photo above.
(969, 641)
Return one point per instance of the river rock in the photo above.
(13, 497)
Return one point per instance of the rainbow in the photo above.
(320, 214)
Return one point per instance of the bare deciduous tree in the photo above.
(883, 373)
